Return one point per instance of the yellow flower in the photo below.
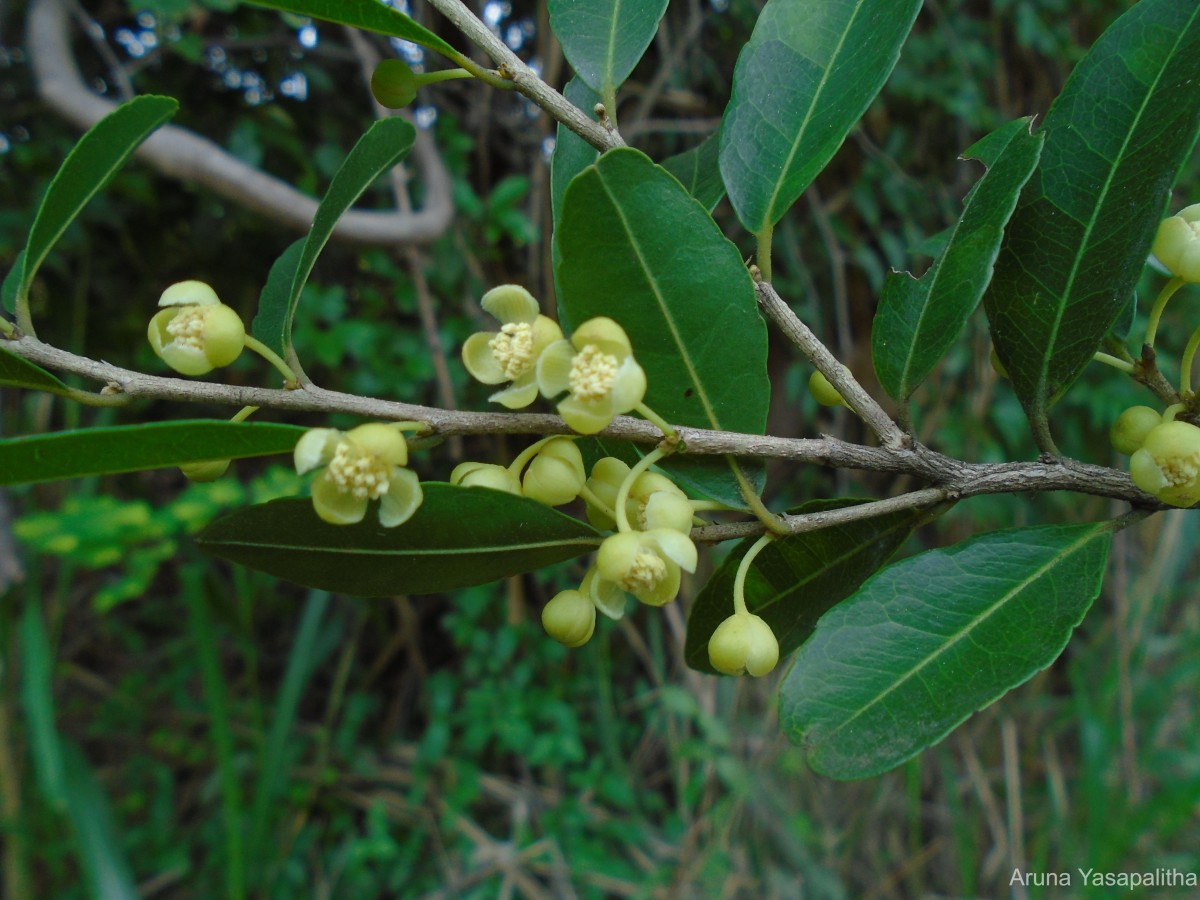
(743, 645)
(1168, 463)
(363, 464)
(510, 354)
(647, 564)
(1177, 243)
(195, 332)
(598, 369)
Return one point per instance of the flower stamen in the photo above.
(187, 327)
(357, 473)
(513, 349)
(645, 574)
(593, 373)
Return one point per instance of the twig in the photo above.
(957, 476)
(524, 79)
(818, 354)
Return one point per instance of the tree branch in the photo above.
(818, 354)
(524, 79)
(180, 153)
(957, 477)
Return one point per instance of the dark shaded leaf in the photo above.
(699, 171)
(369, 15)
(18, 372)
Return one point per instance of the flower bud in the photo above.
(488, 475)
(606, 479)
(556, 474)
(824, 392)
(1168, 463)
(570, 618)
(1129, 431)
(209, 470)
(195, 332)
(743, 645)
(1177, 244)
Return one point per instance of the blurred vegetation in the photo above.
(227, 735)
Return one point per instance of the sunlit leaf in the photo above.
(604, 39)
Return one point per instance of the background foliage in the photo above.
(226, 734)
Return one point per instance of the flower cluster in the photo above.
(595, 368)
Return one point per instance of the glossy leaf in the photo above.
(808, 73)
(384, 144)
(459, 537)
(636, 247)
(795, 580)
(18, 372)
(572, 154)
(369, 15)
(920, 318)
(604, 39)
(699, 171)
(271, 322)
(132, 448)
(933, 638)
(1115, 139)
(92, 162)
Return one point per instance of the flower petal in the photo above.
(545, 333)
(518, 395)
(675, 546)
(665, 590)
(617, 555)
(667, 510)
(554, 368)
(380, 441)
(480, 361)
(510, 303)
(189, 293)
(315, 448)
(629, 386)
(587, 417)
(335, 506)
(185, 359)
(403, 498)
(604, 334)
(607, 597)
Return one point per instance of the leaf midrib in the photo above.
(1056, 560)
(433, 551)
(808, 116)
(1042, 395)
(684, 355)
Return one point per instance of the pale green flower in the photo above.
(654, 500)
(556, 474)
(569, 618)
(363, 464)
(743, 645)
(488, 475)
(647, 564)
(1168, 464)
(1177, 243)
(195, 332)
(597, 368)
(510, 354)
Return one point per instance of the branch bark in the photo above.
(180, 153)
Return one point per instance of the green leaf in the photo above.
(384, 144)
(272, 323)
(604, 39)
(369, 15)
(796, 579)
(18, 372)
(933, 638)
(636, 247)
(572, 154)
(89, 166)
(1115, 139)
(699, 171)
(919, 319)
(458, 538)
(808, 73)
(131, 448)
(12, 281)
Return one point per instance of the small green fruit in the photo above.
(394, 84)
